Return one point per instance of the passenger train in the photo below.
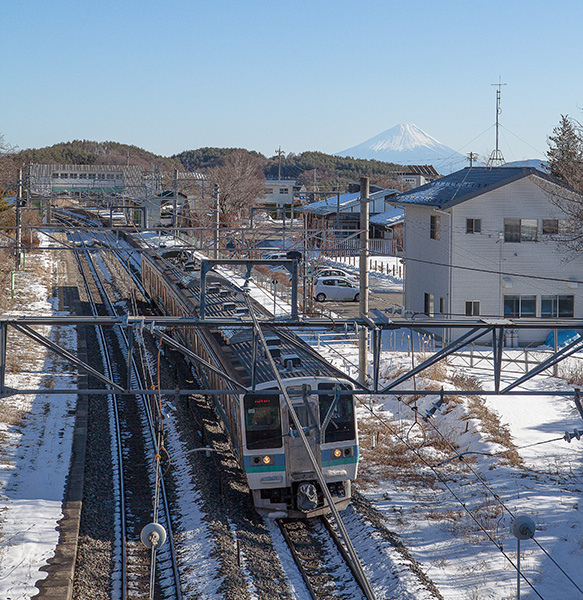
(279, 471)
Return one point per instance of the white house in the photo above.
(279, 193)
(486, 243)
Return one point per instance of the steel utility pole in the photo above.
(217, 191)
(364, 224)
(279, 152)
(496, 158)
(18, 222)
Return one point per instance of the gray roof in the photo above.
(348, 200)
(465, 184)
(390, 217)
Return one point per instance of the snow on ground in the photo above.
(547, 486)
(36, 434)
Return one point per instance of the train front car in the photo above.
(279, 469)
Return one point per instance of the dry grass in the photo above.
(571, 372)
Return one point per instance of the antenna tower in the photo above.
(496, 159)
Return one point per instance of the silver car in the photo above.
(334, 272)
(336, 288)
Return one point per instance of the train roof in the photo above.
(293, 356)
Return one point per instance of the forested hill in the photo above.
(306, 168)
(84, 152)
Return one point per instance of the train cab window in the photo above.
(341, 426)
(295, 392)
(262, 421)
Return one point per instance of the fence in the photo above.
(516, 360)
(335, 247)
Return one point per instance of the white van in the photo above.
(336, 288)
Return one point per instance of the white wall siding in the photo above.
(485, 267)
(426, 261)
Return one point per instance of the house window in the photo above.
(555, 226)
(55, 175)
(72, 175)
(550, 226)
(520, 306)
(552, 307)
(442, 306)
(428, 304)
(472, 308)
(284, 190)
(473, 225)
(82, 175)
(270, 190)
(520, 230)
(435, 227)
(64, 175)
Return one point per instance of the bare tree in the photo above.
(241, 183)
(8, 168)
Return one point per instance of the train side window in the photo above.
(341, 426)
(262, 421)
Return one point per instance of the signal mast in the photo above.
(496, 159)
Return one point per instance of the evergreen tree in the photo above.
(565, 154)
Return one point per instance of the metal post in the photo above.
(518, 568)
(175, 200)
(364, 225)
(18, 222)
(294, 294)
(130, 356)
(216, 233)
(274, 281)
(3, 337)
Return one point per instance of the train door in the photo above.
(298, 462)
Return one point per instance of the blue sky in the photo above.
(303, 75)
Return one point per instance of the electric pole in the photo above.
(279, 153)
(18, 222)
(363, 305)
(472, 156)
(217, 191)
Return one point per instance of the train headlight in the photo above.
(267, 460)
(337, 453)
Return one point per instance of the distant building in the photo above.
(82, 180)
(281, 193)
(416, 175)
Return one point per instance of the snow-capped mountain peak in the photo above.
(406, 144)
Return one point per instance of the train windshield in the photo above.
(262, 421)
(341, 425)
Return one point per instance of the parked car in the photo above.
(278, 255)
(336, 288)
(333, 272)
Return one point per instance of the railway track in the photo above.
(140, 496)
(322, 560)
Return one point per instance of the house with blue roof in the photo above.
(486, 242)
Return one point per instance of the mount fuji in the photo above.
(407, 144)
